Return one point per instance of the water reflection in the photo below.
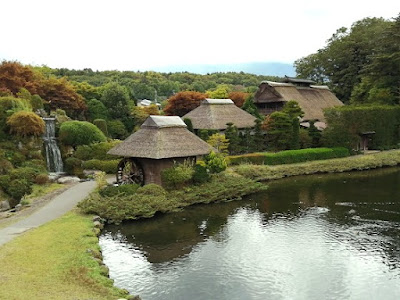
(327, 236)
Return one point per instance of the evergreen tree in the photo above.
(295, 142)
(315, 135)
(232, 134)
(258, 139)
(250, 107)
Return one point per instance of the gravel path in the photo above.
(57, 207)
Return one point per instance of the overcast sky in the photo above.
(140, 35)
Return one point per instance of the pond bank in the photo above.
(337, 165)
(56, 261)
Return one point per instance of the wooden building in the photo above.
(158, 144)
(313, 99)
(216, 113)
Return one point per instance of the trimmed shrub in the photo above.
(18, 188)
(122, 190)
(215, 162)
(42, 178)
(289, 156)
(96, 151)
(177, 176)
(108, 166)
(26, 123)
(347, 122)
(75, 133)
(102, 125)
(73, 166)
(200, 174)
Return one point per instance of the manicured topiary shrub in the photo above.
(26, 123)
(18, 188)
(108, 166)
(75, 133)
(125, 189)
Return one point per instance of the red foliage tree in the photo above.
(238, 97)
(59, 93)
(183, 102)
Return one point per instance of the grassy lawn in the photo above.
(55, 261)
(337, 165)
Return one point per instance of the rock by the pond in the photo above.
(68, 179)
(4, 205)
(18, 207)
(54, 176)
(91, 172)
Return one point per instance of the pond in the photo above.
(334, 236)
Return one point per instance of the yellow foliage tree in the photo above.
(219, 142)
(26, 123)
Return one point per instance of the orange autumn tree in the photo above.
(238, 97)
(60, 93)
(14, 76)
(183, 102)
(56, 92)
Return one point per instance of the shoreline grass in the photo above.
(150, 199)
(56, 261)
(337, 165)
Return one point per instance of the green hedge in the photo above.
(108, 166)
(289, 157)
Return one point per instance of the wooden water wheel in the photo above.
(130, 171)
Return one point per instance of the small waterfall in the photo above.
(53, 154)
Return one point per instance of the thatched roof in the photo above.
(216, 113)
(311, 98)
(162, 137)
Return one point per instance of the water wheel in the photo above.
(130, 171)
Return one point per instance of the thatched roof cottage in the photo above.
(216, 113)
(313, 99)
(160, 141)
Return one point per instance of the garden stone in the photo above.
(68, 179)
(18, 207)
(4, 205)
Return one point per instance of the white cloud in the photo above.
(131, 35)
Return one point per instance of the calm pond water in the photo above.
(316, 237)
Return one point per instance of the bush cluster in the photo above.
(96, 151)
(121, 190)
(108, 166)
(289, 156)
(177, 176)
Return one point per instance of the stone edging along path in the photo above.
(57, 207)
